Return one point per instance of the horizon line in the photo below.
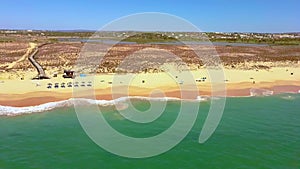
(91, 30)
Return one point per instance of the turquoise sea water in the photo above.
(255, 132)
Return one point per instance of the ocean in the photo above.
(254, 132)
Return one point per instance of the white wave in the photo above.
(14, 111)
(268, 93)
(261, 92)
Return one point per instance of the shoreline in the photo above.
(67, 103)
(233, 90)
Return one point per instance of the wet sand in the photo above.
(232, 90)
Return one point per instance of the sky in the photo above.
(207, 15)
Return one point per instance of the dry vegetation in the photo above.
(12, 51)
(63, 55)
(264, 56)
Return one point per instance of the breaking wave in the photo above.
(261, 92)
(119, 103)
(14, 111)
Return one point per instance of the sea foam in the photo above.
(14, 111)
(260, 92)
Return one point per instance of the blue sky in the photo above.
(208, 15)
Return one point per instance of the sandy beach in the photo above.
(22, 93)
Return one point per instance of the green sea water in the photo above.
(255, 132)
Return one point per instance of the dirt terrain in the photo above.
(59, 56)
